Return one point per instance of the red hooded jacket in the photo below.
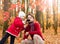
(16, 27)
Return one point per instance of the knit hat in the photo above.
(21, 14)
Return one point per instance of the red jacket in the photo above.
(37, 30)
(16, 27)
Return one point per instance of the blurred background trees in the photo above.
(46, 12)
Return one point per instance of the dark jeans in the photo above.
(5, 37)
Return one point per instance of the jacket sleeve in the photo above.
(17, 22)
(37, 31)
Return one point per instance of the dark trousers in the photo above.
(12, 38)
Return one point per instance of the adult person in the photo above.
(33, 29)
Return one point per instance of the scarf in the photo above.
(32, 26)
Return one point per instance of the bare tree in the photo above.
(55, 17)
(5, 26)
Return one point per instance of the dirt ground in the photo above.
(50, 38)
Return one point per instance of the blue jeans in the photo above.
(5, 37)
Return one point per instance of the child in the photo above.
(14, 29)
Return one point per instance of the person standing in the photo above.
(13, 30)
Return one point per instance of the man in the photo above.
(33, 29)
(16, 27)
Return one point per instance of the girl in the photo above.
(14, 29)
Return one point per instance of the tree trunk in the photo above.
(55, 19)
(47, 18)
(6, 6)
(4, 29)
(39, 17)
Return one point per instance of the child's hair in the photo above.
(30, 15)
